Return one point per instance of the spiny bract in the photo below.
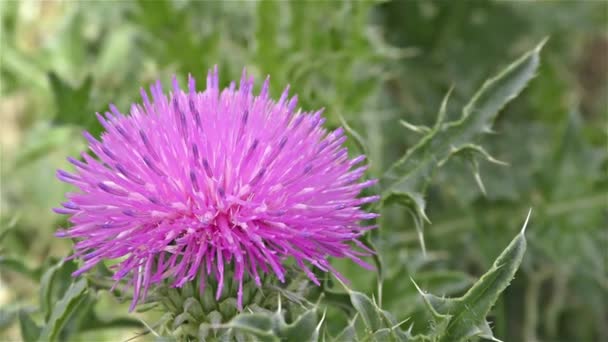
(193, 182)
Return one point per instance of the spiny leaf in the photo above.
(471, 153)
(302, 329)
(395, 327)
(63, 309)
(473, 307)
(382, 334)
(257, 324)
(461, 318)
(439, 307)
(317, 332)
(367, 309)
(486, 332)
(349, 333)
(380, 325)
(408, 178)
(415, 204)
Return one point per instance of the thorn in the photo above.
(400, 324)
(523, 229)
(422, 243)
(418, 222)
(148, 327)
(443, 109)
(424, 217)
(496, 161)
(415, 128)
(542, 43)
(321, 321)
(417, 287)
(352, 322)
(480, 183)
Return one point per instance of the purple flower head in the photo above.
(191, 183)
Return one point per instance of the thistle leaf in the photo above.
(380, 325)
(367, 310)
(459, 319)
(405, 181)
(349, 333)
(302, 329)
(257, 324)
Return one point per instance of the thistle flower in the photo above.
(192, 182)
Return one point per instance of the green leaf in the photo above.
(54, 283)
(382, 334)
(63, 309)
(73, 103)
(302, 329)
(406, 180)
(257, 324)
(380, 325)
(349, 333)
(462, 318)
(29, 329)
(367, 309)
(394, 327)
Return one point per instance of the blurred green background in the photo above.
(370, 64)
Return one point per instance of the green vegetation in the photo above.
(470, 113)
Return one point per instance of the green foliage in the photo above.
(455, 319)
(459, 319)
(53, 285)
(273, 327)
(376, 67)
(406, 180)
(72, 102)
(30, 331)
(63, 309)
(378, 325)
